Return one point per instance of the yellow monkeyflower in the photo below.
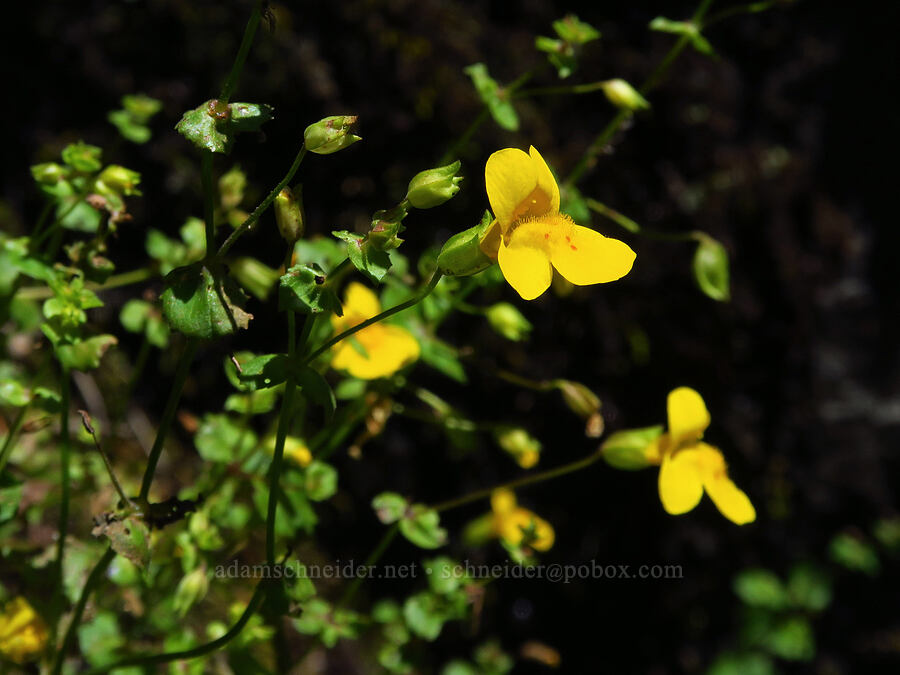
(530, 237)
(376, 351)
(295, 450)
(517, 525)
(688, 466)
(23, 634)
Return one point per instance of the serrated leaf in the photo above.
(203, 302)
(303, 289)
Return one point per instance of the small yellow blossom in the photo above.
(377, 351)
(23, 634)
(530, 237)
(513, 523)
(688, 466)
(295, 450)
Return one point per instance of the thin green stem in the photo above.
(209, 201)
(628, 224)
(65, 488)
(531, 479)
(92, 581)
(378, 317)
(749, 8)
(89, 427)
(372, 559)
(241, 57)
(599, 143)
(202, 650)
(181, 373)
(259, 210)
(588, 88)
(14, 430)
(115, 281)
(466, 136)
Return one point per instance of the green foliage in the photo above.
(685, 29)
(572, 34)
(132, 119)
(204, 302)
(854, 553)
(303, 289)
(494, 97)
(710, 268)
(213, 125)
(627, 449)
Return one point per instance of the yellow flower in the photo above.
(518, 526)
(23, 634)
(530, 236)
(295, 450)
(376, 351)
(689, 466)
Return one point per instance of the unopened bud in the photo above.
(289, 214)
(330, 134)
(434, 187)
(120, 179)
(523, 447)
(48, 173)
(508, 321)
(633, 449)
(191, 589)
(580, 400)
(462, 255)
(623, 95)
(255, 277)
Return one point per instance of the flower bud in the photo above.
(632, 449)
(623, 95)
(289, 214)
(508, 321)
(523, 447)
(580, 400)
(48, 173)
(191, 589)
(120, 179)
(434, 187)
(252, 275)
(330, 134)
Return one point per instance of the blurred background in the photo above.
(782, 147)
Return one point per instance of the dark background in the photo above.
(800, 370)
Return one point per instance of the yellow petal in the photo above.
(728, 498)
(360, 301)
(584, 256)
(545, 178)
(680, 484)
(490, 242)
(387, 350)
(527, 269)
(511, 179)
(503, 501)
(688, 416)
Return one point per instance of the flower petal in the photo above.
(688, 416)
(545, 179)
(387, 350)
(510, 178)
(503, 500)
(360, 301)
(584, 256)
(490, 241)
(680, 484)
(731, 500)
(527, 269)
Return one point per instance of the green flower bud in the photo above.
(508, 321)
(191, 589)
(48, 173)
(462, 254)
(623, 95)
(120, 179)
(631, 449)
(523, 447)
(386, 226)
(289, 214)
(256, 278)
(710, 267)
(330, 134)
(434, 187)
(580, 400)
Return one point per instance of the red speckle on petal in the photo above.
(574, 248)
(546, 235)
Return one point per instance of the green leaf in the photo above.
(493, 96)
(749, 663)
(249, 116)
(389, 507)
(792, 639)
(12, 393)
(203, 302)
(260, 372)
(252, 402)
(83, 157)
(212, 125)
(303, 289)
(421, 526)
(854, 553)
(10, 496)
(219, 439)
(86, 354)
(442, 357)
(445, 575)
(887, 532)
(492, 659)
(129, 127)
(100, 639)
(316, 388)
(627, 449)
(129, 537)
(368, 259)
(424, 615)
(711, 269)
(140, 106)
(574, 31)
(320, 480)
(686, 29)
(809, 587)
(761, 588)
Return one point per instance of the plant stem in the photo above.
(181, 373)
(115, 281)
(209, 207)
(93, 579)
(520, 482)
(378, 317)
(65, 456)
(155, 659)
(14, 430)
(241, 57)
(627, 223)
(588, 88)
(599, 143)
(86, 421)
(259, 210)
